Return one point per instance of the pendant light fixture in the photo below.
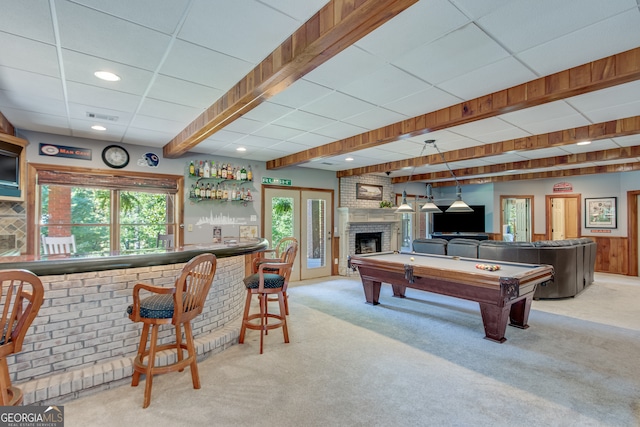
(458, 205)
(430, 206)
(405, 207)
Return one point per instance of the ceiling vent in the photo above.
(102, 117)
(327, 163)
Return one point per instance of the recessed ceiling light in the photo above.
(241, 149)
(349, 159)
(583, 143)
(106, 75)
(98, 127)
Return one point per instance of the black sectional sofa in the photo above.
(573, 260)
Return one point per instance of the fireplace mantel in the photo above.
(367, 215)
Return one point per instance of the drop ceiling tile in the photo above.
(375, 118)
(303, 121)
(299, 10)
(505, 158)
(381, 155)
(586, 45)
(423, 102)
(488, 130)
(475, 9)
(268, 112)
(521, 24)
(33, 22)
(263, 155)
(546, 118)
(288, 147)
(194, 63)
(244, 126)
(453, 55)
(350, 64)
(627, 141)
(27, 83)
(82, 128)
(82, 29)
(601, 144)
(387, 84)
(165, 88)
(84, 94)
(28, 55)
(310, 139)
(169, 111)
(543, 153)
(216, 28)
(257, 141)
(613, 162)
(79, 111)
(417, 25)
(279, 132)
(337, 106)
(225, 136)
(502, 74)
(50, 123)
(149, 138)
(609, 104)
(156, 124)
(407, 147)
(340, 130)
(19, 100)
(301, 93)
(164, 16)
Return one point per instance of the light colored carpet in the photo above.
(418, 361)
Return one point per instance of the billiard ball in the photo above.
(412, 259)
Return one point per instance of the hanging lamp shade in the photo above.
(430, 206)
(459, 205)
(404, 206)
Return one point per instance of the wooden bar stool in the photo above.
(271, 279)
(22, 296)
(176, 305)
(275, 255)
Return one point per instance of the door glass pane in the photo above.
(142, 217)
(81, 211)
(407, 237)
(316, 233)
(281, 219)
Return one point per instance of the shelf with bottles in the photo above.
(206, 169)
(223, 191)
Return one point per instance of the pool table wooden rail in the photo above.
(504, 296)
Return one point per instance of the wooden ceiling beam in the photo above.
(568, 160)
(603, 73)
(594, 132)
(339, 24)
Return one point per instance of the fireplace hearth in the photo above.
(367, 243)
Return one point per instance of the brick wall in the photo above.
(59, 210)
(83, 339)
(348, 191)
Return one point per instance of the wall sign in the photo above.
(562, 187)
(276, 181)
(53, 150)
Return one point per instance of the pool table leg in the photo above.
(494, 319)
(399, 291)
(519, 315)
(371, 291)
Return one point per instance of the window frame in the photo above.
(33, 195)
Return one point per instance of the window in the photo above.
(105, 213)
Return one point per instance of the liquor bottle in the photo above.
(192, 192)
(248, 197)
(214, 170)
(249, 174)
(207, 192)
(202, 191)
(243, 174)
(233, 192)
(224, 171)
(207, 170)
(219, 192)
(225, 193)
(201, 169)
(192, 168)
(197, 192)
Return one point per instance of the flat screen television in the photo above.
(9, 169)
(463, 222)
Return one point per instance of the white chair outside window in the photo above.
(59, 245)
(164, 241)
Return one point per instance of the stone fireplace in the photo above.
(374, 226)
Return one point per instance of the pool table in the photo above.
(504, 295)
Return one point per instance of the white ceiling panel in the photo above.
(601, 144)
(177, 58)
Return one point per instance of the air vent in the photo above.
(102, 117)
(326, 163)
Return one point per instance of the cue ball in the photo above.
(412, 259)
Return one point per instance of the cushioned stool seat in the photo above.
(265, 283)
(155, 307)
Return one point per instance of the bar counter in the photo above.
(42, 265)
(82, 339)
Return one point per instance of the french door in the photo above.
(306, 215)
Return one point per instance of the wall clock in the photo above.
(115, 156)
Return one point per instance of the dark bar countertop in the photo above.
(45, 265)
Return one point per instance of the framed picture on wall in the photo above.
(368, 192)
(600, 213)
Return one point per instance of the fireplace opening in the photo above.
(367, 243)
